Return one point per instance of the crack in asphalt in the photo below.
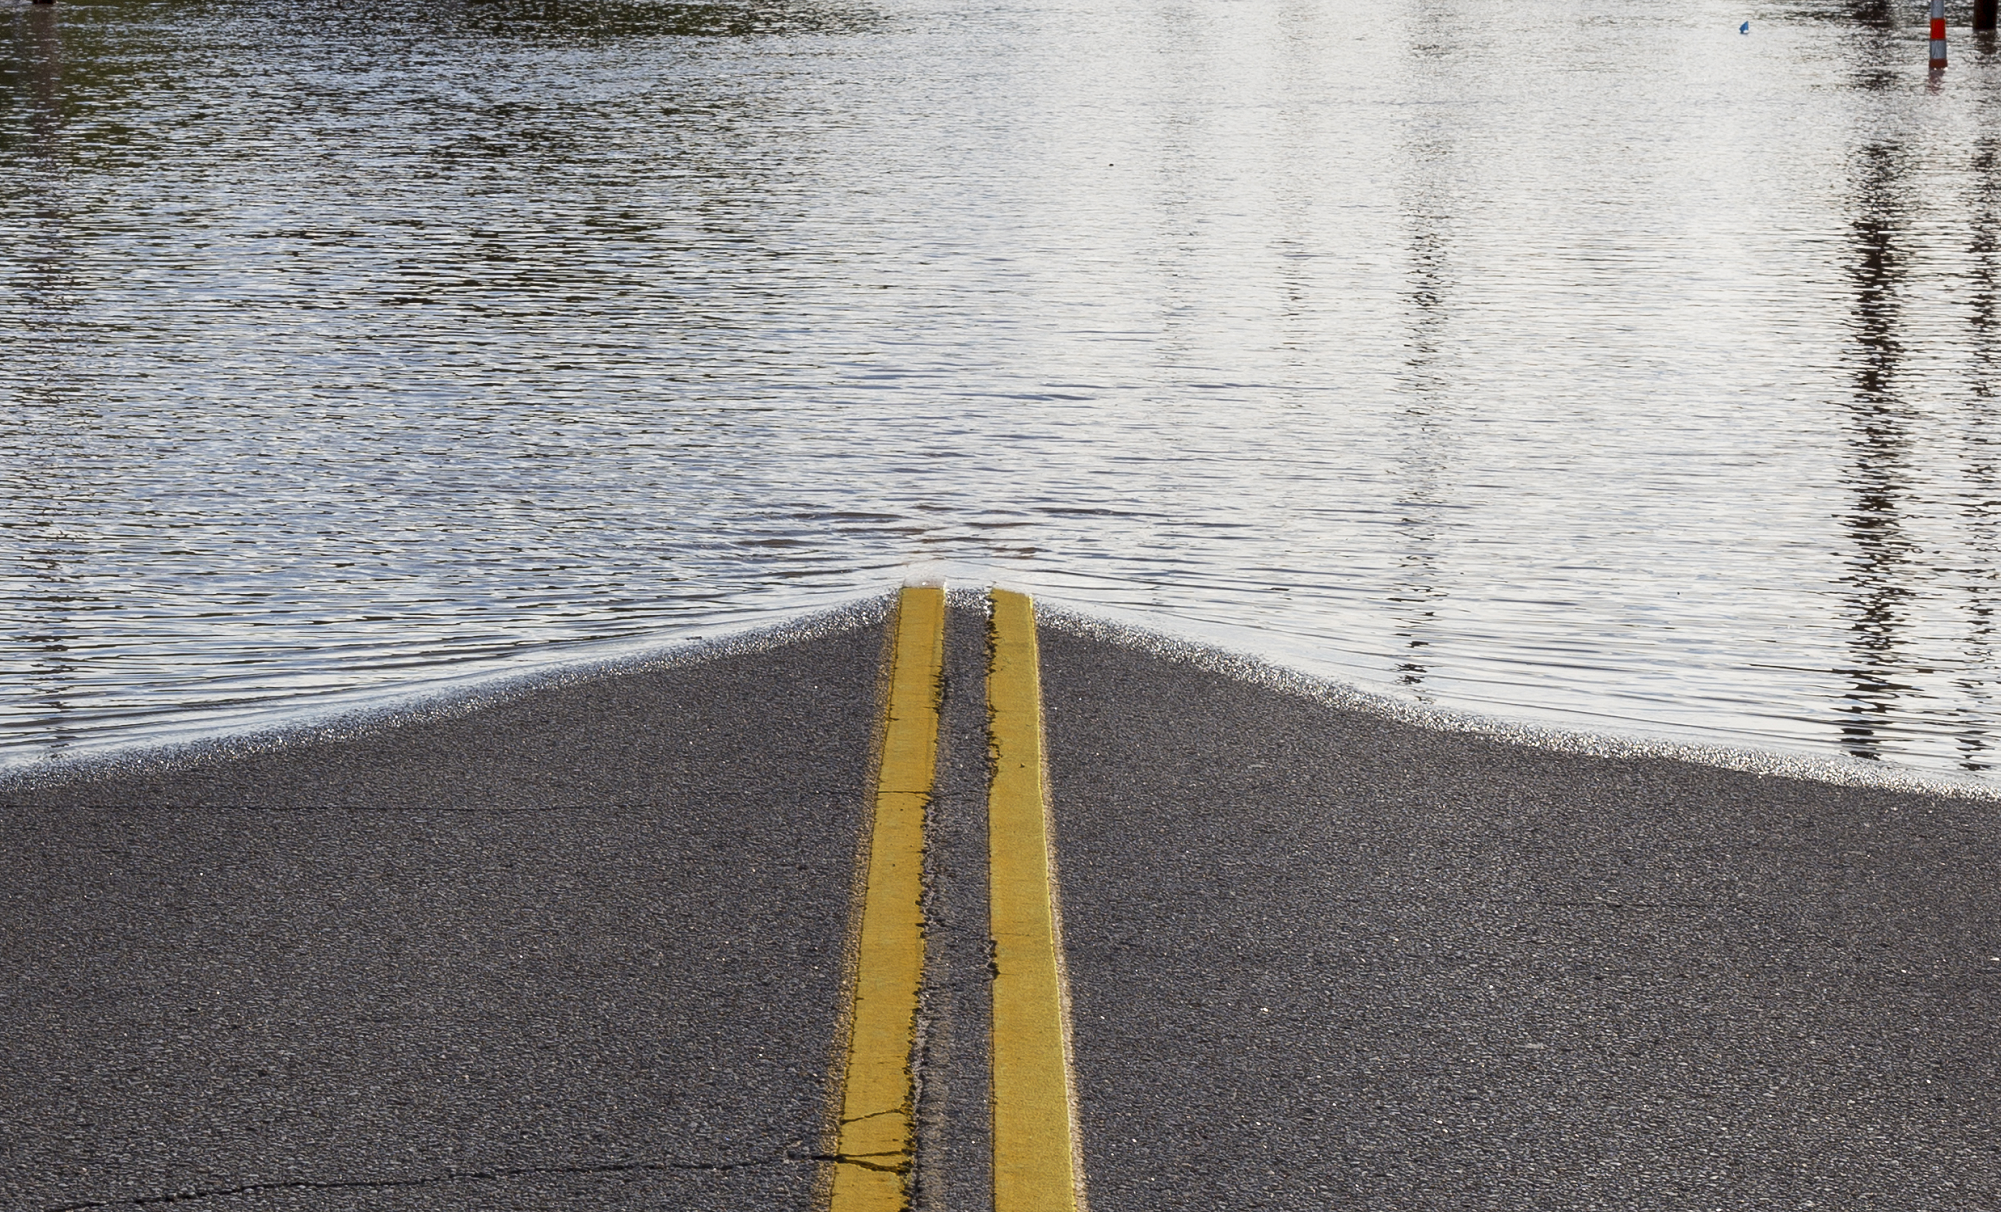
(901, 1166)
(461, 1176)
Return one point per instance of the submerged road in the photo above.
(595, 947)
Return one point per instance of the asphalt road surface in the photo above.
(1323, 960)
(581, 950)
(584, 949)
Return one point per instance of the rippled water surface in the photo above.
(1592, 363)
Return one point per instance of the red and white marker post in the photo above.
(1938, 34)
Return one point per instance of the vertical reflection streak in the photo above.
(1417, 589)
(1879, 442)
(44, 310)
(1426, 207)
(1978, 508)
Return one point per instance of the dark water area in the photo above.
(1594, 365)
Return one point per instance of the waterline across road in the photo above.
(584, 948)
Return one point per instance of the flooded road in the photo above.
(1595, 365)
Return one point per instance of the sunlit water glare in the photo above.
(1594, 364)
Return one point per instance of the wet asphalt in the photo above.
(584, 949)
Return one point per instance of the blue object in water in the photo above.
(1744, 28)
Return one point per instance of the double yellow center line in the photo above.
(1034, 1134)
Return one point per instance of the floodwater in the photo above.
(1595, 364)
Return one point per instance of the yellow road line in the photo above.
(877, 1141)
(1034, 1139)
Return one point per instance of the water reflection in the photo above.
(1426, 406)
(31, 137)
(1983, 250)
(1879, 438)
(1981, 511)
(31, 102)
(602, 21)
(442, 336)
(425, 27)
(1873, 14)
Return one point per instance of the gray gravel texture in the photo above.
(583, 949)
(1321, 959)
